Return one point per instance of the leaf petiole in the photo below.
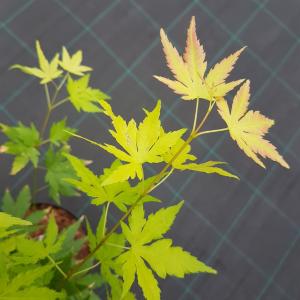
(83, 138)
(118, 246)
(105, 218)
(60, 102)
(156, 180)
(47, 96)
(210, 108)
(163, 180)
(212, 131)
(87, 269)
(57, 266)
(58, 88)
(196, 114)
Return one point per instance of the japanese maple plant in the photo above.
(136, 247)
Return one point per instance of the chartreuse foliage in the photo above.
(22, 143)
(191, 80)
(147, 245)
(145, 143)
(44, 146)
(47, 71)
(84, 97)
(136, 248)
(248, 128)
(30, 269)
(121, 194)
(24, 276)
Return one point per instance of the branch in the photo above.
(155, 181)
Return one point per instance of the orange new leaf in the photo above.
(248, 128)
(189, 71)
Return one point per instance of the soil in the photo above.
(63, 220)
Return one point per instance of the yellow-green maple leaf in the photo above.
(189, 70)
(248, 128)
(148, 245)
(122, 194)
(82, 96)
(72, 64)
(47, 71)
(182, 161)
(143, 143)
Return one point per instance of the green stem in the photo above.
(163, 180)
(212, 131)
(45, 122)
(105, 218)
(196, 115)
(60, 102)
(117, 246)
(98, 263)
(50, 103)
(156, 180)
(47, 95)
(211, 106)
(87, 269)
(59, 87)
(83, 138)
(42, 132)
(57, 266)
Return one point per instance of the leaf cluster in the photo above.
(28, 274)
(136, 248)
(45, 147)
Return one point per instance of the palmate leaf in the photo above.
(25, 279)
(163, 258)
(145, 143)
(9, 224)
(7, 221)
(22, 143)
(47, 71)
(34, 293)
(16, 281)
(110, 271)
(52, 244)
(25, 253)
(248, 128)
(58, 168)
(182, 158)
(121, 194)
(59, 133)
(208, 167)
(67, 242)
(4, 277)
(27, 285)
(8, 245)
(183, 162)
(84, 97)
(20, 275)
(72, 64)
(51, 232)
(189, 71)
(19, 206)
(53, 241)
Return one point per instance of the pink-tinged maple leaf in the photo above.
(248, 128)
(189, 71)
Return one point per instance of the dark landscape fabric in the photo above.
(249, 230)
